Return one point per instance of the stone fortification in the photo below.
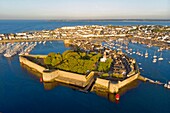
(58, 75)
(76, 79)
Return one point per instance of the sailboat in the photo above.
(167, 85)
(154, 55)
(146, 54)
(154, 60)
(160, 49)
(160, 58)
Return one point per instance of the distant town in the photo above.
(148, 32)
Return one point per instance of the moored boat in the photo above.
(155, 55)
(154, 60)
(160, 58)
(146, 54)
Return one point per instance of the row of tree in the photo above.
(79, 62)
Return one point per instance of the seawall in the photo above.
(30, 64)
(58, 75)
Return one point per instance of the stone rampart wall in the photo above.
(102, 82)
(66, 77)
(31, 64)
(114, 88)
(127, 81)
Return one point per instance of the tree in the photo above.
(47, 60)
(52, 55)
(78, 62)
(105, 66)
(58, 58)
(54, 62)
(96, 57)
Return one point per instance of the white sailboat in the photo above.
(154, 60)
(154, 55)
(160, 49)
(165, 85)
(146, 54)
(44, 42)
(160, 58)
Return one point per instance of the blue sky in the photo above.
(84, 9)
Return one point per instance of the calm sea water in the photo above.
(7, 26)
(21, 91)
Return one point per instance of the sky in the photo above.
(84, 9)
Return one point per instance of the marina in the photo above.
(11, 49)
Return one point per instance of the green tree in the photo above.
(47, 60)
(105, 66)
(52, 55)
(96, 57)
(54, 62)
(58, 58)
(78, 62)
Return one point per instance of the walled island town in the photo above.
(98, 59)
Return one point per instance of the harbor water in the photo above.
(22, 92)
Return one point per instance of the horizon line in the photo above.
(129, 19)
